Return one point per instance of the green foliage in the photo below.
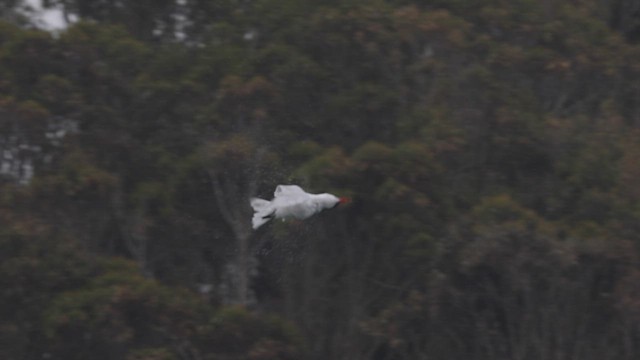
(119, 308)
(36, 264)
(151, 354)
(490, 148)
(234, 333)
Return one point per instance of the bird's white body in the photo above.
(290, 201)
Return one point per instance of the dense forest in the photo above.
(491, 149)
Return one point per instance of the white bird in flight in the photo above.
(290, 201)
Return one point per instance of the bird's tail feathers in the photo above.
(263, 212)
(259, 204)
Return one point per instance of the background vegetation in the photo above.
(491, 148)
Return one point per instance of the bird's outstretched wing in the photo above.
(288, 190)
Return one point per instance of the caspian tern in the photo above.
(290, 201)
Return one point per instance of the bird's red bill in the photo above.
(345, 200)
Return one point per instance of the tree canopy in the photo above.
(490, 148)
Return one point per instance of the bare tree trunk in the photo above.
(132, 226)
(232, 204)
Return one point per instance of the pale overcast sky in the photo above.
(50, 19)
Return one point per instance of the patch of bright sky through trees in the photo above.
(49, 19)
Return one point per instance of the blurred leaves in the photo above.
(490, 148)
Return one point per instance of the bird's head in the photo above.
(329, 201)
